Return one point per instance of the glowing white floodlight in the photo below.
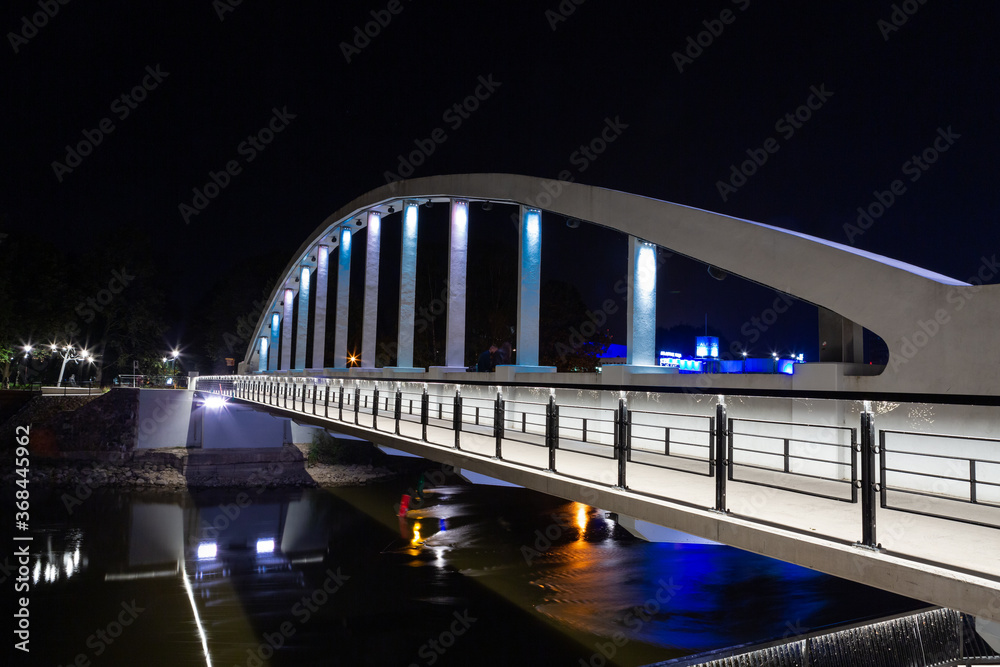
(207, 550)
(265, 546)
(215, 402)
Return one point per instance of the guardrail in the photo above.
(843, 463)
(970, 480)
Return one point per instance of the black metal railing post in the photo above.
(721, 460)
(456, 418)
(868, 484)
(284, 386)
(623, 419)
(340, 402)
(398, 407)
(314, 398)
(552, 430)
(883, 500)
(854, 465)
(425, 408)
(498, 406)
(326, 401)
(357, 402)
(375, 408)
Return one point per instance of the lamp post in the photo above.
(68, 353)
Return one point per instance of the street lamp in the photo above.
(68, 353)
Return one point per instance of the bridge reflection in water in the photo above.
(335, 576)
(870, 492)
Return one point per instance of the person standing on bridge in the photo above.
(486, 362)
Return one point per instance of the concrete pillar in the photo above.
(641, 307)
(457, 267)
(343, 299)
(370, 324)
(841, 340)
(530, 281)
(272, 359)
(286, 331)
(407, 286)
(302, 326)
(262, 354)
(319, 322)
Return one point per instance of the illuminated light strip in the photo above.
(132, 576)
(197, 617)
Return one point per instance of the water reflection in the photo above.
(341, 578)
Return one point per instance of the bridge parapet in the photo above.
(873, 486)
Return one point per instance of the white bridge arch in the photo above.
(940, 331)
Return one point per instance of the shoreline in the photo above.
(174, 469)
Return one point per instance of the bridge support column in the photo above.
(454, 353)
(286, 331)
(319, 321)
(529, 274)
(370, 322)
(407, 290)
(262, 354)
(641, 307)
(302, 324)
(343, 299)
(272, 358)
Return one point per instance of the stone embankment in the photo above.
(183, 468)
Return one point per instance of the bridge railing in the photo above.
(909, 462)
(772, 452)
(705, 458)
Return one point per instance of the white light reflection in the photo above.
(265, 546)
(194, 610)
(207, 550)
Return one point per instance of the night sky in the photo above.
(692, 89)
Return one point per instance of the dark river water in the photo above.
(475, 575)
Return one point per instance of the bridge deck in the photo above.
(946, 562)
